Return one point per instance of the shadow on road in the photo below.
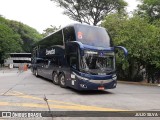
(92, 92)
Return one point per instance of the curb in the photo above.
(139, 83)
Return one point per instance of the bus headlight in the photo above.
(90, 52)
(114, 77)
(80, 77)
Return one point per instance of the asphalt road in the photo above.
(24, 92)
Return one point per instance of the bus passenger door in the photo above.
(73, 61)
(72, 56)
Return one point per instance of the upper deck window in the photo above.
(54, 39)
(94, 36)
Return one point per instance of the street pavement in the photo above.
(22, 91)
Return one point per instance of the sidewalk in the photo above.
(139, 83)
(7, 70)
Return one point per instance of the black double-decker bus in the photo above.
(77, 56)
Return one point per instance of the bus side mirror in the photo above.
(124, 50)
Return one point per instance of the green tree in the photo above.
(9, 41)
(90, 11)
(142, 41)
(16, 37)
(28, 35)
(150, 9)
(50, 30)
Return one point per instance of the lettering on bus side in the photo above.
(50, 52)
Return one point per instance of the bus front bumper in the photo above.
(84, 81)
(97, 84)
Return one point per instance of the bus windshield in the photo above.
(93, 36)
(98, 64)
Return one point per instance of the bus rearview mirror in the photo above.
(124, 50)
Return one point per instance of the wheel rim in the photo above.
(62, 80)
(55, 78)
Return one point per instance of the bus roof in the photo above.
(92, 35)
(73, 25)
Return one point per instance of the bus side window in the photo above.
(61, 61)
(40, 61)
(55, 61)
(45, 62)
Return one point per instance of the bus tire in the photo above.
(55, 78)
(62, 80)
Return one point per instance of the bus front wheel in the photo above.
(62, 80)
(55, 78)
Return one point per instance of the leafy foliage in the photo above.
(9, 41)
(150, 9)
(90, 11)
(140, 38)
(15, 37)
(50, 30)
(27, 34)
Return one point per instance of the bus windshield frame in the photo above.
(97, 63)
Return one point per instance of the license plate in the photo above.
(101, 88)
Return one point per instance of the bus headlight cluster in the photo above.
(80, 77)
(90, 52)
(114, 77)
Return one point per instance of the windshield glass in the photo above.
(91, 35)
(98, 64)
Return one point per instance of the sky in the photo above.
(40, 14)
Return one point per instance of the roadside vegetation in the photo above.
(140, 34)
(16, 37)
